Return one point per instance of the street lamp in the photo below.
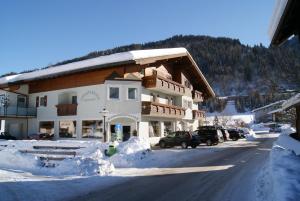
(104, 113)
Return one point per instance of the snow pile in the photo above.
(89, 160)
(250, 136)
(285, 172)
(131, 152)
(287, 129)
(280, 179)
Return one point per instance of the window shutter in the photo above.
(45, 101)
(37, 100)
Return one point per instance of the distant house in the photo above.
(144, 93)
(270, 112)
(286, 23)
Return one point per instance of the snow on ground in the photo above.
(280, 178)
(133, 159)
(89, 159)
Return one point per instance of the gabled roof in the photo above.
(140, 57)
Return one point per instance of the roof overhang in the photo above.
(285, 21)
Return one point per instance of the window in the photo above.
(47, 127)
(67, 129)
(37, 101)
(132, 93)
(74, 99)
(114, 93)
(92, 129)
(21, 101)
(43, 101)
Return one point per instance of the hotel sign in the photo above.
(90, 95)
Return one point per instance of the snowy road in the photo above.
(224, 172)
(227, 174)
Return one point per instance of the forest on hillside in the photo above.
(255, 76)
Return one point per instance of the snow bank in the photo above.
(285, 174)
(89, 160)
(250, 136)
(280, 179)
(287, 129)
(131, 152)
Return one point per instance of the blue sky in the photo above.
(36, 33)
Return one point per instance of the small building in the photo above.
(286, 23)
(267, 113)
(144, 93)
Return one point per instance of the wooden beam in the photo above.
(298, 121)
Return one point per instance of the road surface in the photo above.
(227, 175)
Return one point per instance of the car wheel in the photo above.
(234, 139)
(194, 146)
(162, 144)
(209, 142)
(184, 145)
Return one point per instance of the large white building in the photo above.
(145, 93)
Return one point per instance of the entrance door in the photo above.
(126, 133)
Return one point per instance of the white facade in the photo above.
(91, 100)
(101, 110)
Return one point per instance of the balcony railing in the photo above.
(197, 96)
(15, 111)
(161, 110)
(161, 84)
(66, 109)
(198, 114)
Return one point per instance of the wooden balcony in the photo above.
(198, 114)
(66, 109)
(161, 110)
(197, 96)
(161, 84)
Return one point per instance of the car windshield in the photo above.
(171, 134)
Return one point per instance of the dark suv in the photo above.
(210, 135)
(179, 138)
(234, 134)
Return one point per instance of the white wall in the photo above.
(91, 101)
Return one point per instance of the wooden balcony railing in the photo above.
(197, 96)
(161, 110)
(198, 114)
(161, 84)
(66, 109)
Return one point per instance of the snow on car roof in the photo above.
(136, 56)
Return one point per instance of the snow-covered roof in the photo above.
(136, 56)
(276, 17)
(275, 111)
(293, 101)
(269, 105)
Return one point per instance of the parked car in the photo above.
(234, 134)
(179, 138)
(7, 136)
(210, 135)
